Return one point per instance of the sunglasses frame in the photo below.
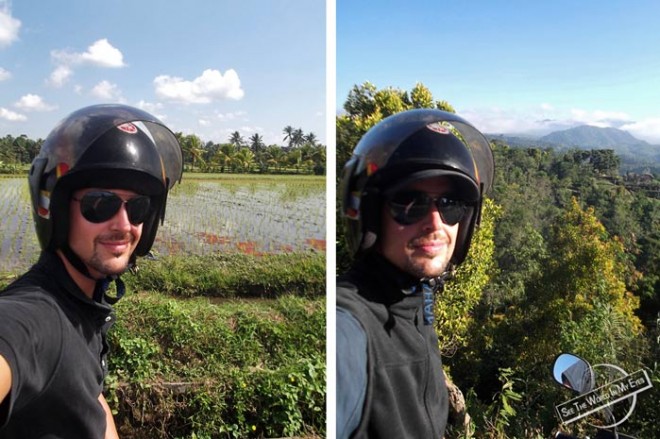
(97, 213)
(442, 203)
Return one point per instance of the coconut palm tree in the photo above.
(288, 131)
(298, 137)
(237, 140)
(245, 159)
(256, 143)
(310, 138)
(224, 157)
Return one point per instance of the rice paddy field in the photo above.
(206, 213)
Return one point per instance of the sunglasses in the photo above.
(409, 207)
(100, 206)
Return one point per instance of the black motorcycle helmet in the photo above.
(104, 146)
(409, 146)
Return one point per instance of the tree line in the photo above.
(301, 153)
(567, 259)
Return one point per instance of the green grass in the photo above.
(198, 368)
(231, 275)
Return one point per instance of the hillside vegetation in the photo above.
(567, 260)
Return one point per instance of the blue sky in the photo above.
(206, 67)
(512, 66)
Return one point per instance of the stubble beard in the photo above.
(108, 266)
(425, 267)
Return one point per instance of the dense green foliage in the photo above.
(302, 154)
(231, 364)
(198, 368)
(567, 260)
(230, 275)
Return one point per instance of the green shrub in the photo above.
(230, 275)
(218, 368)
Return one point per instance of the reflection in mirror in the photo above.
(573, 373)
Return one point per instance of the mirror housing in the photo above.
(573, 372)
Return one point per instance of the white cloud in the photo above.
(106, 90)
(9, 27)
(646, 129)
(545, 118)
(31, 102)
(4, 74)
(232, 115)
(103, 54)
(100, 54)
(204, 122)
(599, 118)
(60, 76)
(11, 116)
(152, 108)
(210, 86)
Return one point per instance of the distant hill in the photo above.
(636, 155)
(588, 137)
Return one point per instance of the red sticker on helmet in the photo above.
(128, 128)
(371, 168)
(438, 128)
(61, 169)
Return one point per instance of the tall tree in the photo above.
(237, 140)
(288, 134)
(256, 143)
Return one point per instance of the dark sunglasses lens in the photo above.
(138, 209)
(98, 207)
(452, 211)
(409, 207)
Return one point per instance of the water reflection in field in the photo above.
(251, 215)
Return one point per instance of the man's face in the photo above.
(105, 247)
(424, 248)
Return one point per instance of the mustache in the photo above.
(429, 238)
(116, 237)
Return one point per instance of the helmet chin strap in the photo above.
(101, 287)
(429, 287)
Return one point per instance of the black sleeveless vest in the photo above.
(406, 393)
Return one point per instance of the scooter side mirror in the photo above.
(573, 373)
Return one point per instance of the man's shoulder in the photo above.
(26, 297)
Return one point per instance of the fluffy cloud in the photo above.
(545, 118)
(153, 108)
(100, 54)
(31, 102)
(210, 86)
(11, 116)
(4, 74)
(603, 119)
(106, 90)
(647, 129)
(103, 54)
(234, 115)
(9, 27)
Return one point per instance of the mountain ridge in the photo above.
(635, 154)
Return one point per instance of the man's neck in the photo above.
(85, 283)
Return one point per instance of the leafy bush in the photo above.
(202, 368)
(230, 275)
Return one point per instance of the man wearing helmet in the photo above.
(98, 189)
(411, 199)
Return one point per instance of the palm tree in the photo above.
(274, 156)
(310, 138)
(295, 158)
(288, 130)
(298, 137)
(256, 143)
(237, 140)
(245, 159)
(225, 156)
(192, 146)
